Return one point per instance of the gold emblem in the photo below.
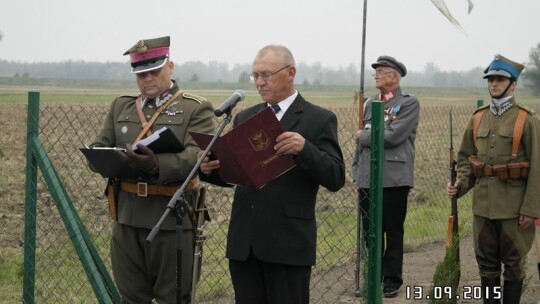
(259, 141)
(141, 48)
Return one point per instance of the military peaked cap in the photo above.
(502, 66)
(390, 62)
(149, 54)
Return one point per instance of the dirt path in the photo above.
(420, 264)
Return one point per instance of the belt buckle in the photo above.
(142, 189)
(488, 170)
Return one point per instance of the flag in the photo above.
(441, 6)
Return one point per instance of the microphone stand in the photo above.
(178, 205)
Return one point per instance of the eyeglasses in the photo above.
(376, 75)
(266, 75)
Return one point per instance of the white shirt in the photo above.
(285, 104)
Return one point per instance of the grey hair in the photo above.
(281, 51)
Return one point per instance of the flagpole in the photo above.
(360, 97)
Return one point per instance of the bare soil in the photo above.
(419, 266)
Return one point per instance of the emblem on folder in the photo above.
(259, 141)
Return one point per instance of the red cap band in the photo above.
(149, 54)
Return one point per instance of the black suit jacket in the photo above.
(278, 221)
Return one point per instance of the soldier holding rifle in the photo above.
(146, 271)
(499, 158)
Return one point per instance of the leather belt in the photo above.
(144, 189)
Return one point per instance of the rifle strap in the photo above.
(518, 129)
(146, 125)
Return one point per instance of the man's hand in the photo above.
(146, 161)
(453, 190)
(356, 136)
(525, 221)
(289, 143)
(208, 165)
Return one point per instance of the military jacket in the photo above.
(122, 126)
(492, 197)
(401, 118)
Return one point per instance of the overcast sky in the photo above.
(232, 31)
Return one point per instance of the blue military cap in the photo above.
(390, 62)
(502, 66)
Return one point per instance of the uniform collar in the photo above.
(163, 97)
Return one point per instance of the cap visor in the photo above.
(378, 64)
(497, 73)
(149, 67)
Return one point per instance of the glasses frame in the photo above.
(266, 75)
(379, 75)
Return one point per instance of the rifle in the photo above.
(201, 214)
(452, 238)
(453, 218)
(359, 97)
(448, 272)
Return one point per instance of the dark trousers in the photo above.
(258, 282)
(394, 213)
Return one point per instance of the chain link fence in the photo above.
(60, 277)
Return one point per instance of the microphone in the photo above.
(230, 103)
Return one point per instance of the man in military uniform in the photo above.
(145, 271)
(505, 174)
(402, 113)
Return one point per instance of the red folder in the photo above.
(246, 153)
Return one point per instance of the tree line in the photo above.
(219, 72)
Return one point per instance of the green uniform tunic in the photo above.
(496, 202)
(145, 270)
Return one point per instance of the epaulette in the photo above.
(128, 95)
(480, 109)
(529, 110)
(405, 94)
(197, 98)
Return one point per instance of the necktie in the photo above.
(275, 108)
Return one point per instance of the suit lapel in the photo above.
(291, 117)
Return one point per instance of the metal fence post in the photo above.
(376, 193)
(30, 201)
(479, 103)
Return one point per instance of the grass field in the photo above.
(426, 220)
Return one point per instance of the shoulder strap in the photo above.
(518, 131)
(476, 123)
(138, 104)
(146, 125)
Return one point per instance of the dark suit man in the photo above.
(272, 235)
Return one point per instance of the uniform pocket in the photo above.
(506, 136)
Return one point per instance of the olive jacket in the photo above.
(122, 126)
(492, 197)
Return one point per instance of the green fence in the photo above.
(60, 277)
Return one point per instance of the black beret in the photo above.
(390, 62)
